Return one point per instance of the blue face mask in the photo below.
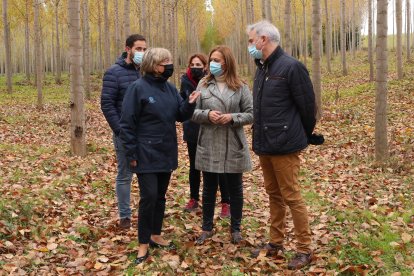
(256, 54)
(138, 57)
(215, 68)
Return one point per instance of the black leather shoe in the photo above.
(170, 246)
(142, 259)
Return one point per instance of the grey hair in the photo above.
(152, 57)
(265, 28)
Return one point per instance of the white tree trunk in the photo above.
(78, 127)
(127, 31)
(328, 37)
(408, 33)
(58, 78)
(27, 41)
(86, 49)
(107, 42)
(118, 46)
(381, 140)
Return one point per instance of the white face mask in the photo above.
(254, 52)
(137, 59)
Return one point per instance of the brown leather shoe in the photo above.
(300, 260)
(125, 223)
(269, 249)
(203, 237)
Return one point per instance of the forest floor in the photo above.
(58, 213)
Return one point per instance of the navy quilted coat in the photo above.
(115, 82)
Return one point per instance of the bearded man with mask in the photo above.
(115, 82)
(284, 120)
(150, 110)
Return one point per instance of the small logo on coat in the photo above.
(151, 100)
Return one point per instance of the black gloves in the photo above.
(316, 139)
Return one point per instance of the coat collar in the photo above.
(278, 52)
(223, 96)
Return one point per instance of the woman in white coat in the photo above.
(224, 107)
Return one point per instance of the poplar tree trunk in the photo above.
(328, 37)
(408, 33)
(305, 34)
(118, 46)
(370, 55)
(78, 129)
(287, 44)
(58, 78)
(38, 55)
(316, 55)
(107, 42)
(398, 10)
(100, 59)
(126, 28)
(250, 20)
(27, 41)
(343, 42)
(86, 50)
(381, 140)
(7, 46)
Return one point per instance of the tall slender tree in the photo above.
(58, 77)
(370, 55)
(287, 44)
(78, 126)
(117, 31)
(38, 54)
(126, 29)
(107, 42)
(398, 10)
(27, 41)
(316, 54)
(381, 140)
(305, 34)
(408, 27)
(328, 38)
(86, 49)
(343, 39)
(7, 46)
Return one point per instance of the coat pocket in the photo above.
(275, 134)
(149, 150)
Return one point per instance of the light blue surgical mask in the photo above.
(256, 54)
(215, 68)
(138, 57)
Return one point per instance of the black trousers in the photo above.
(152, 190)
(194, 177)
(235, 187)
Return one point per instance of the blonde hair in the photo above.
(231, 77)
(153, 57)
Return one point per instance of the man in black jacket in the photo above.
(284, 119)
(115, 82)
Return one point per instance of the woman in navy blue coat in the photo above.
(150, 109)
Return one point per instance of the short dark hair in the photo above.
(132, 38)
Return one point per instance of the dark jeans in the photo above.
(194, 177)
(235, 187)
(152, 190)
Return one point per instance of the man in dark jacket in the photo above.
(284, 119)
(115, 82)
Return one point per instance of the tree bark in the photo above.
(78, 126)
(316, 55)
(86, 51)
(27, 41)
(127, 31)
(100, 59)
(107, 42)
(38, 55)
(287, 45)
(398, 10)
(328, 37)
(381, 140)
(343, 42)
(305, 34)
(370, 55)
(7, 46)
(58, 78)
(408, 33)
(118, 46)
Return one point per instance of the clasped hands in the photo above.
(217, 118)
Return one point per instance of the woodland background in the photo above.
(57, 166)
